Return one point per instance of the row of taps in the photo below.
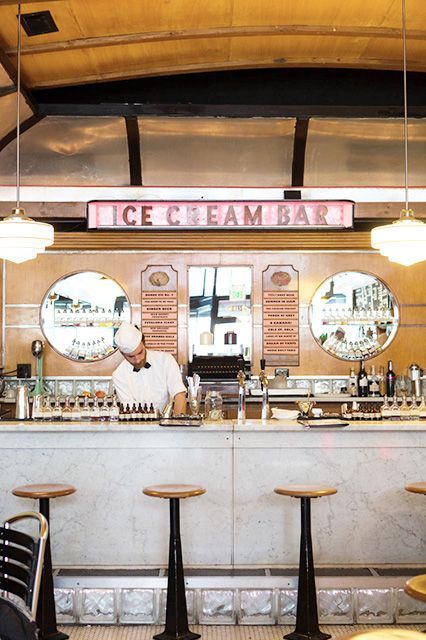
(266, 411)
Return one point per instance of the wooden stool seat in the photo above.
(305, 490)
(171, 491)
(416, 587)
(416, 487)
(37, 491)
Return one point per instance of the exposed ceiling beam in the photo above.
(27, 124)
(11, 72)
(296, 62)
(9, 2)
(220, 32)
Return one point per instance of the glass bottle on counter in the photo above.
(57, 410)
(362, 381)
(76, 410)
(382, 381)
(386, 410)
(395, 410)
(95, 411)
(404, 409)
(390, 380)
(67, 411)
(213, 406)
(414, 409)
(353, 385)
(114, 411)
(104, 410)
(374, 383)
(85, 409)
(422, 408)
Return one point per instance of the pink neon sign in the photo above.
(285, 214)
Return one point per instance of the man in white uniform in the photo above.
(146, 376)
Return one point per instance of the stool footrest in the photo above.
(311, 636)
(189, 635)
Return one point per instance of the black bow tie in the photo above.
(145, 366)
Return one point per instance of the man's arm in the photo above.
(179, 403)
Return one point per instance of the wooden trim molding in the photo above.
(213, 240)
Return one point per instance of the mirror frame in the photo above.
(43, 300)
(397, 317)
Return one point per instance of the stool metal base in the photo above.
(56, 636)
(307, 627)
(176, 611)
(166, 635)
(307, 636)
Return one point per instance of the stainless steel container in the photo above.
(22, 411)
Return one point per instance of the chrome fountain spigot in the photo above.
(266, 411)
(241, 396)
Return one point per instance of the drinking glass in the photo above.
(194, 401)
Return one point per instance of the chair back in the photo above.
(21, 558)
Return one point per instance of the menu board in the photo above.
(281, 315)
(159, 309)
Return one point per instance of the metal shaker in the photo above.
(416, 382)
(22, 411)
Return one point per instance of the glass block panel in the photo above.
(363, 152)
(98, 606)
(409, 610)
(137, 605)
(338, 385)
(217, 607)
(83, 385)
(335, 606)
(287, 603)
(322, 386)
(374, 605)
(65, 387)
(65, 605)
(256, 607)
(103, 385)
(190, 606)
(62, 150)
(50, 386)
(217, 151)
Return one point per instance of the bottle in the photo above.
(66, 411)
(76, 410)
(114, 410)
(422, 408)
(395, 410)
(374, 383)
(386, 411)
(85, 409)
(390, 380)
(57, 410)
(362, 381)
(95, 412)
(104, 410)
(353, 384)
(382, 381)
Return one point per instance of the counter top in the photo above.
(248, 425)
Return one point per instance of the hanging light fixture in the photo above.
(403, 241)
(22, 238)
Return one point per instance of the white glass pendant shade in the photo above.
(22, 238)
(206, 338)
(403, 241)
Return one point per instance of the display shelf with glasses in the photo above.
(80, 314)
(353, 315)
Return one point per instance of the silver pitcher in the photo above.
(22, 405)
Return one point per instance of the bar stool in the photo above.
(385, 634)
(416, 587)
(416, 487)
(307, 609)
(46, 614)
(176, 613)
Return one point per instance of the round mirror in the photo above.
(353, 315)
(80, 314)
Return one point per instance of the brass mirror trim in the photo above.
(396, 316)
(45, 297)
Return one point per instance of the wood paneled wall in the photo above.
(27, 283)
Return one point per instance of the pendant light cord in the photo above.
(18, 115)
(404, 40)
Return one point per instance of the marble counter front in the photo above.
(240, 520)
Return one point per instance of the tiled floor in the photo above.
(223, 632)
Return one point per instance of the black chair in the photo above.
(21, 564)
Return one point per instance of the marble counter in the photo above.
(109, 522)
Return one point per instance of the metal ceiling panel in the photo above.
(70, 151)
(216, 151)
(364, 152)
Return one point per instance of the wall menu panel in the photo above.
(280, 304)
(159, 308)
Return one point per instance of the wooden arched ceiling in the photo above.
(101, 40)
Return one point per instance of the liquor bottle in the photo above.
(95, 411)
(382, 381)
(85, 409)
(374, 383)
(390, 380)
(386, 411)
(395, 410)
(57, 410)
(404, 409)
(46, 410)
(66, 411)
(114, 410)
(353, 385)
(104, 410)
(362, 381)
(151, 414)
(76, 410)
(422, 408)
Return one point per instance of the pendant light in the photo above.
(22, 238)
(403, 241)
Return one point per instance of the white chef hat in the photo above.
(128, 337)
